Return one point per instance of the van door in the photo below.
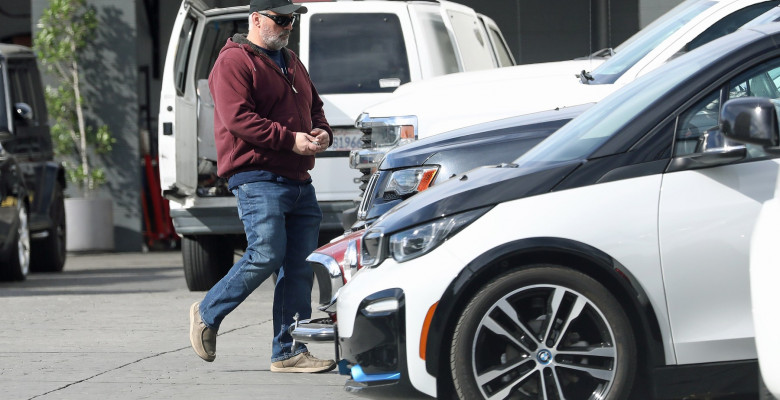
(471, 42)
(177, 140)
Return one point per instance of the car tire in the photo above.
(207, 258)
(18, 265)
(590, 352)
(50, 252)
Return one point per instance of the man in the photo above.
(268, 124)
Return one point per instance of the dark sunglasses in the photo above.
(281, 20)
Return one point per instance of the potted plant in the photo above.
(66, 29)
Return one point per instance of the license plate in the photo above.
(345, 139)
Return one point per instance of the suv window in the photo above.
(470, 41)
(25, 84)
(357, 53)
(183, 54)
(698, 130)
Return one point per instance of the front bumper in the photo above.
(375, 354)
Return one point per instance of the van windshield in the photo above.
(357, 53)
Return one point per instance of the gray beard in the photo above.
(274, 42)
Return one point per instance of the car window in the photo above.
(357, 53)
(697, 128)
(644, 41)
(474, 48)
(504, 57)
(184, 45)
(436, 44)
(729, 24)
(25, 87)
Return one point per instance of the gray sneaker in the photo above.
(203, 338)
(303, 362)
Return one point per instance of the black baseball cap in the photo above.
(277, 6)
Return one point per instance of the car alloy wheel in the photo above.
(543, 332)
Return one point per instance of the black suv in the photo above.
(32, 210)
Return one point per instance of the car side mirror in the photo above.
(752, 120)
(24, 111)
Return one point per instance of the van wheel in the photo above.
(543, 332)
(50, 252)
(207, 258)
(18, 265)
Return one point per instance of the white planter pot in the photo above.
(90, 224)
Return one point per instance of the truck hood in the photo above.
(464, 99)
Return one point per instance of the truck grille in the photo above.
(368, 195)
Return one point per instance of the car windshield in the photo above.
(644, 41)
(586, 133)
(772, 15)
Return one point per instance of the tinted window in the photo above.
(25, 87)
(184, 45)
(357, 53)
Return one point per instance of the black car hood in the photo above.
(481, 187)
(419, 152)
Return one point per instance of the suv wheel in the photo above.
(50, 252)
(543, 332)
(18, 265)
(207, 258)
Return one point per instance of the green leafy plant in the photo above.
(66, 29)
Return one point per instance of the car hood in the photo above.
(480, 187)
(470, 98)
(477, 137)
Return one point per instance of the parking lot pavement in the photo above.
(115, 326)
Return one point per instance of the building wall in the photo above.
(110, 80)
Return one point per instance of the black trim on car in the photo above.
(731, 378)
(552, 250)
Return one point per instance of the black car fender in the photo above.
(45, 180)
(521, 253)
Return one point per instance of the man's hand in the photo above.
(306, 144)
(321, 137)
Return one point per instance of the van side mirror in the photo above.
(24, 111)
(752, 120)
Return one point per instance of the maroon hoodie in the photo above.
(257, 110)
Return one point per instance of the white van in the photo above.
(357, 54)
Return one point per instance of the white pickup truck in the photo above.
(357, 53)
(422, 109)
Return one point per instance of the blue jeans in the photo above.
(281, 219)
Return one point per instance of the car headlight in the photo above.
(406, 182)
(416, 241)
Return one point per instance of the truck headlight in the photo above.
(421, 239)
(388, 131)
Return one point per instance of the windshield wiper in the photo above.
(585, 76)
